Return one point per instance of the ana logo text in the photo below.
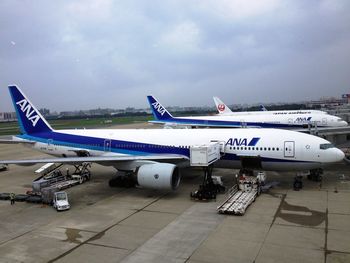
(158, 107)
(29, 112)
(301, 119)
(242, 141)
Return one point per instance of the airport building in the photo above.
(7, 116)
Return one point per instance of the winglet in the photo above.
(159, 112)
(29, 118)
(221, 107)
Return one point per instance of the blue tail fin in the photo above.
(262, 108)
(29, 118)
(159, 112)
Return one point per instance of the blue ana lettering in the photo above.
(242, 141)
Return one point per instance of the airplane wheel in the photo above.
(297, 185)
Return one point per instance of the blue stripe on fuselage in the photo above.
(97, 144)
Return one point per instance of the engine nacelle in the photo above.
(164, 176)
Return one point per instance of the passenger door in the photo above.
(289, 149)
(50, 146)
(107, 145)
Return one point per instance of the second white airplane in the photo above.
(291, 120)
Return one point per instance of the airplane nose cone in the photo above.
(344, 123)
(339, 155)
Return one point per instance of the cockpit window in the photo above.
(325, 146)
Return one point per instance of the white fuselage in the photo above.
(278, 149)
(295, 119)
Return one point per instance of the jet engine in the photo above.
(163, 176)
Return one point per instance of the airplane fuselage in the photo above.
(276, 149)
(286, 121)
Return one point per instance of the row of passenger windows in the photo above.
(172, 146)
(123, 146)
(255, 148)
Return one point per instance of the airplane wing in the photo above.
(16, 142)
(325, 130)
(96, 159)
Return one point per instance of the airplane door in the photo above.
(324, 121)
(289, 149)
(107, 145)
(50, 144)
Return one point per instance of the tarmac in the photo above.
(108, 224)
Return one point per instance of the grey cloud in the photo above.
(86, 54)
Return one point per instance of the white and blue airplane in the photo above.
(153, 156)
(292, 120)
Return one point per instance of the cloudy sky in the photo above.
(69, 55)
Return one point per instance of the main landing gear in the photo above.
(208, 189)
(314, 175)
(298, 183)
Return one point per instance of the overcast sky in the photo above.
(68, 55)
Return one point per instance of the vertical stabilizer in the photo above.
(159, 112)
(221, 107)
(29, 118)
(262, 108)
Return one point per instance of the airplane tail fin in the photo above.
(221, 107)
(29, 118)
(158, 111)
(262, 108)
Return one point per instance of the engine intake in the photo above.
(163, 176)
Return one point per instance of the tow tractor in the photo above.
(60, 201)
